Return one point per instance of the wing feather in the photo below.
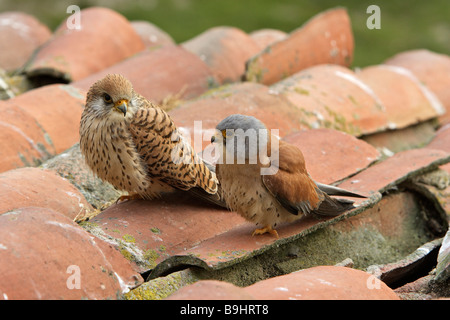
(167, 155)
(291, 184)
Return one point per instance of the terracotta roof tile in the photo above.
(21, 34)
(318, 283)
(172, 225)
(24, 143)
(266, 37)
(432, 69)
(224, 50)
(405, 100)
(246, 98)
(151, 35)
(326, 38)
(298, 90)
(441, 140)
(35, 187)
(160, 73)
(40, 123)
(332, 155)
(398, 168)
(332, 96)
(65, 59)
(57, 257)
(72, 166)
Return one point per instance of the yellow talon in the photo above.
(266, 229)
(128, 197)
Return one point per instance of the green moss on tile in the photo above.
(155, 230)
(151, 256)
(160, 288)
(129, 238)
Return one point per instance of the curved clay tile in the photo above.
(266, 37)
(326, 38)
(105, 38)
(224, 50)
(405, 99)
(20, 35)
(332, 96)
(39, 124)
(151, 35)
(61, 260)
(432, 69)
(160, 74)
(245, 98)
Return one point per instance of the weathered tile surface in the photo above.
(65, 59)
(246, 98)
(38, 124)
(152, 36)
(224, 50)
(44, 255)
(319, 283)
(265, 37)
(332, 155)
(405, 99)
(161, 73)
(21, 33)
(396, 169)
(331, 96)
(28, 187)
(326, 38)
(432, 69)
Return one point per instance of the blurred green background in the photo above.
(405, 24)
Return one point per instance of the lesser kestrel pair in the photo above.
(134, 145)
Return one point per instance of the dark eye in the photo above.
(107, 98)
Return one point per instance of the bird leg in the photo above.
(266, 229)
(133, 196)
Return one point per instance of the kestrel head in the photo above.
(242, 138)
(112, 97)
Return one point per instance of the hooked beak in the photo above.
(121, 106)
(216, 137)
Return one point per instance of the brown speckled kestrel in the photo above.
(134, 145)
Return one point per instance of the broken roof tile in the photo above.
(151, 35)
(266, 37)
(170, 71)
(326, 38)
(21, 34)
(432, 69)
(73, 54)
(317, 283)
(331, 96)
(38, 124)
(246, 98)
(405, 99)
(332, 155)
(36, 187)
(224, 50)
(57, 256)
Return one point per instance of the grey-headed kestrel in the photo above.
(134, 145)
(284, 192)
